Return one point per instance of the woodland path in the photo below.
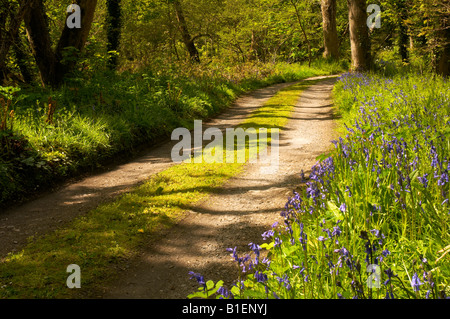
(245, 207)
(57, 208)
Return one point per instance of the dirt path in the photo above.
(54, 210)
(244, 208)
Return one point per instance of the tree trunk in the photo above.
(443, 66)
(187, 39)
(40, 43)
(21, 57)
(403, 32)
(8, 36)
(252, 55)
(113, 30)
(51, 67)
(359, 35)
(330, 37)
(303, 31)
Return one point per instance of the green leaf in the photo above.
(267, 246)
(335, 210)
(209, 285)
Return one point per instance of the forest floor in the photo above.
(245, 207)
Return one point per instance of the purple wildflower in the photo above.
(200, 279)
(415, 282)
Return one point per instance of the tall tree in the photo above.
(403, 31)
(113, 30)
(50, 62)
(187, 39)
(330, 37)
(11, 16)
(443, 65)
(299, 19)
(359, 35)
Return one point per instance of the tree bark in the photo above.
(21, 57)
(403, 32)
(50, 63)
(40, 43)
(330, 37)
(359, 35)
(113, 30)
(187, 39)
(7, 37)
(303, 31)
(443, 66)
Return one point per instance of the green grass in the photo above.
(113, 232)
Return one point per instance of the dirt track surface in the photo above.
(245, 207)
(55, 209)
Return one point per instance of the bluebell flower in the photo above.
(348, 190)
(443, 178)
(386, 252)
(278, 242)
(327, 231)
(234, 253)
(255, 248)
(285, 281)
(200, 279)
(415, 282)
(268, 234)
(225, 293)
(260, 277)
(336, 231)
(423, 180)
(302, 176)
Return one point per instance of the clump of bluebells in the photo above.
(372, 218)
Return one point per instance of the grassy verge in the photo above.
(50, 135)
(99, 240)
(373, 218)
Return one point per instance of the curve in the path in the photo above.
(54, 210)
(246, 206)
